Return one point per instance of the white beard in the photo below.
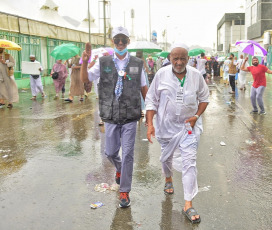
(181, 71)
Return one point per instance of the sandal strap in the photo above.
(168, 185)
(191, 212)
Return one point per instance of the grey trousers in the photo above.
(257, 93)
(117, 136)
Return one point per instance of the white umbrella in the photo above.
(145, 46)
(221, 59)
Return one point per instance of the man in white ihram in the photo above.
(178, 96)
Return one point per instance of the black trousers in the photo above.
(232, 82)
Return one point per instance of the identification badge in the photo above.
(133, 70)
(179, 101)
(121, 73)
(179, 97)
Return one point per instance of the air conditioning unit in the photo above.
(267, 38)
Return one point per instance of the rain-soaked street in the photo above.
(51, 159)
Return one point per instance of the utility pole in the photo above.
(89, 21)
(104, 13)
(149, 23)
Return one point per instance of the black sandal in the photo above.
(191, 212)
(167, 186)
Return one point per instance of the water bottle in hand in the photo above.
(188, 127)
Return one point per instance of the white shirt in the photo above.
(240, 63)
(94, 72)
(201, 65)
(161, 97)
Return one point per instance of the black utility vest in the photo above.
(128, 107)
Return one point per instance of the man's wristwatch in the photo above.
(196, 116)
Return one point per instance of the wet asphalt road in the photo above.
(51, 158)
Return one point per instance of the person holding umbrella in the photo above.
(8, 87)
(122, 81)
(259, 83)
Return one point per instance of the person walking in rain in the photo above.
(201, 64)
(259, 83)
(232, 73)
(59, 83)
(76, 85)
(36, 81)
(178, 96)
(8, 88)
(226, 71)
(241, 74)
(122, 80)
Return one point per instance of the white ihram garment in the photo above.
(170, 128)
(242, 74)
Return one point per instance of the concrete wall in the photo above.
(264, 18)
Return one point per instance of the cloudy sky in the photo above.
(193, 22)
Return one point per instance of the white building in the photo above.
(230, 29)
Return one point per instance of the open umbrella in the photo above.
(145, 46)
(9, 45)
(195, 52)
(162, 54)
(221, 59)
(65, 51)
(251, 47)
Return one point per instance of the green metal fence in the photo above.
(32, 45)
(29, 44)
(15, 54)
(52, 43)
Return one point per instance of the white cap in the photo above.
(179, 45)
(31, 55)
(119, 30)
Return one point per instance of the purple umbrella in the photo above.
(251, 47)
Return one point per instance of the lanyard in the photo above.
(182, 81)
(117, 67)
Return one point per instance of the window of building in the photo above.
(253, 14)
(239, 22)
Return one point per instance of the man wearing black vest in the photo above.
(122, 81)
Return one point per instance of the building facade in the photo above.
(258, 18)
(230, 29)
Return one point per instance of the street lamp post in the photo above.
(150, 36)
(166, 33)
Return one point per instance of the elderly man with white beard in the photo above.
(178, 96)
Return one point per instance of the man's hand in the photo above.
(192, 121)
(87, 52)
(246, 58)
(150, 133)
